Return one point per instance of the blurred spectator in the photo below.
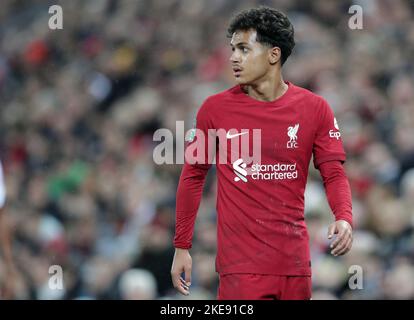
(138, 284)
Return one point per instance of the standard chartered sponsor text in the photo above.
(278, 171)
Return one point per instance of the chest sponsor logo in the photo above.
(277, 171)
(239, 170)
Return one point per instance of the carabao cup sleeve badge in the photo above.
(191, 133)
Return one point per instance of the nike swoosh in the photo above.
(231, 136)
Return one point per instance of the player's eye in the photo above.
(244, 49)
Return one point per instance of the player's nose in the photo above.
(234, 58)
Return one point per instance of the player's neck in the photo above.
(267, 90)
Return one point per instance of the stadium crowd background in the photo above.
(79, 106)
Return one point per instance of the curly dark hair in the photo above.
(273, 28)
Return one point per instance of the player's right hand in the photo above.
(182, 263)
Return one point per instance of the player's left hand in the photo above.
(343, 242)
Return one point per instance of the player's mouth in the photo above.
(237, 71)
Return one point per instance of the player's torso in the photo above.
(275, 141)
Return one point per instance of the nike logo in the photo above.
(231, 136)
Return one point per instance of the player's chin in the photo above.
(241, 80)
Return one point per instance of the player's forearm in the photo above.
(189, 192)
(337, 189)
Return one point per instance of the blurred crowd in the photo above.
(79, 106)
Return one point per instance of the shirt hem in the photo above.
(266, 271)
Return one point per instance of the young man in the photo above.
(263, 244)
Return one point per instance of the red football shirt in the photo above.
(260, 200)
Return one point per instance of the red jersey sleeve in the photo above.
(327, 145)
(338, 191)
(199, 152)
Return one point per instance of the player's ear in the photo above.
(275, 54)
